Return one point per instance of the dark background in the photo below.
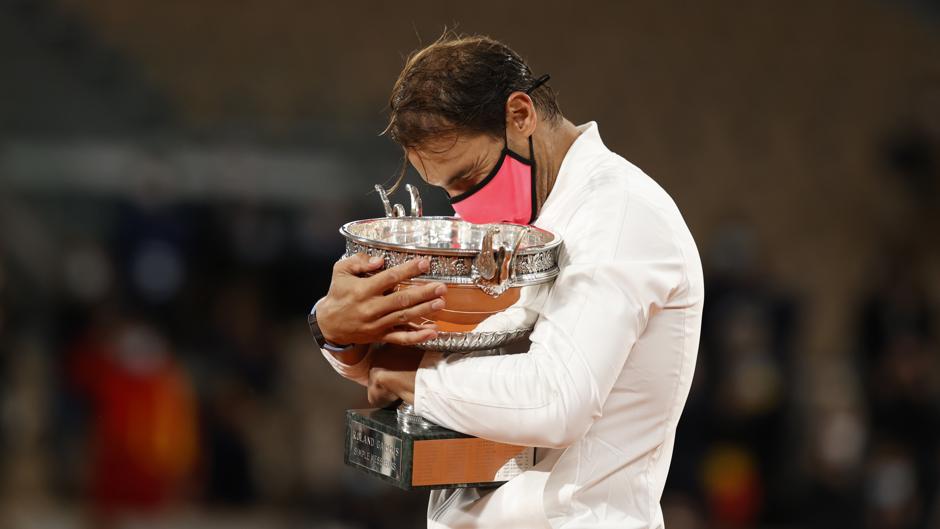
(172, 175)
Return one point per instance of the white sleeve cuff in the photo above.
(358, 372)
(423, 380)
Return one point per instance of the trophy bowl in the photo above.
(494, 273)
(497, 277)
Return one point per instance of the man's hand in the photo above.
(392, 375)
(363, 310)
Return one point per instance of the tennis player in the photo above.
(611, 359)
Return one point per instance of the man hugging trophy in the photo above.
(540, 381)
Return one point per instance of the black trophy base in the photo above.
(428, 456)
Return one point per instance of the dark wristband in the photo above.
(318, 337)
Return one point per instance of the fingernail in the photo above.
(424, 265)
(437, 304)
(375, 260)
(440, 290)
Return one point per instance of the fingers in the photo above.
(358, 264)
(402, 317)
(408, 297)
(407, 337)
(387, 279)
(418, 326)
(377, 394)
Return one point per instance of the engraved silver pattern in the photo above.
(402, 239)
(465, 342)
(453, 247)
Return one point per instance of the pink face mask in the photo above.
(507, 194)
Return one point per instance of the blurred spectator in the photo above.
(900, 365)
(229, 480)
(144, 432)
(834, 490)
(733, 486)
(893, 499)
(151, 240)
(734, 434)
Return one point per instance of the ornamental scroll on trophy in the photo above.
(497, 276)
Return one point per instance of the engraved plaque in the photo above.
(429, 457)
(374, 450)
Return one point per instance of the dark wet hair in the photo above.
(459, 85)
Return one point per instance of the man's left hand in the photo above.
(392, 375)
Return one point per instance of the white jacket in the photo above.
(608, 371)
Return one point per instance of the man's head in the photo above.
(458, 102)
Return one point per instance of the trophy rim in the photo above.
(519, 281)
(447, 252)
(471, 341)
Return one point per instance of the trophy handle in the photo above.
(383, 196)
(495, 264)
(417, 208)
(397, 210)
(485, 263)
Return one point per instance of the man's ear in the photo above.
(521, 116)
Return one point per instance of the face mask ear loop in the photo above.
(534, 174)
(538, 82)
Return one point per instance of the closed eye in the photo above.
(465, 181)
(458, 175)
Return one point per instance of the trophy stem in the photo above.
(411, 421)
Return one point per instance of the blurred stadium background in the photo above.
(172, 175)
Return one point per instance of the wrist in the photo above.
(333, 343)
(324, 340)
(352, 355)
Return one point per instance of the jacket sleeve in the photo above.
(620, 265)
(358, 372)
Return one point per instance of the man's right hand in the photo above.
(363, 310)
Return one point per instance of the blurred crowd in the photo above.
(156, 369)
(754, 449)
(161, 362)
(164, 362)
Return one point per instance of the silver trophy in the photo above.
(497, 276)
